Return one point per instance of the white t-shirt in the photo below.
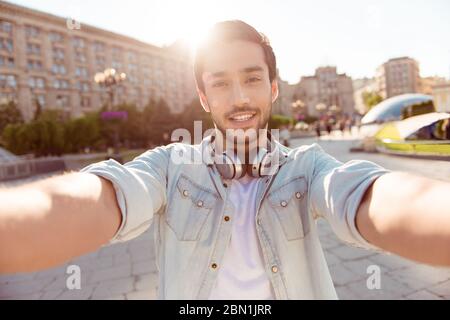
(242, 274)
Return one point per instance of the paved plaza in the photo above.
(128, 271)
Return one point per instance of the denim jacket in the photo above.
(189, 205)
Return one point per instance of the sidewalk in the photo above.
(128, 271)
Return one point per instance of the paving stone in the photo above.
(423, 295)
(148, 281)
(142, 295)
(110, 273)
(442, 289)
(341, 275)
(351, 253)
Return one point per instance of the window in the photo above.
(58, 69)
(80, 57)
(85, 102)
(41, 99)
(6, 61)
(5, 26)
(56, 37)
(6, 97)
(83, 86)
(33, 48)
(36, 82)
(81, 72)
(34, 65)
(99, 46)
(100, 61)
(58, 54)
(116, 52)
(32, 31)
(78, 42)
(132, 57)
(6, 44)
(62, 101)
(7, 81)
(116, 65)
(60, 84)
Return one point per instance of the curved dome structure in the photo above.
(391, 109)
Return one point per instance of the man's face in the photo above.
(238, 91)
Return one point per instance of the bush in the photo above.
(278, 120)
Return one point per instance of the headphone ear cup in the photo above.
(254, 168)
(263, 165)
(230, 167)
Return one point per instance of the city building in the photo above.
(360, 86)
(441, 97)
(283, 104)
(427, 84)
(326, 87)
(398, 76)
(52, 61)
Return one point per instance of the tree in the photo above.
(371, 99)
(9, 114)
(81, 132)
(162, 123)
(195, 112)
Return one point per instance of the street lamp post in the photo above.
(298, 107)
(109, 79)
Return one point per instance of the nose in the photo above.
(239, 98)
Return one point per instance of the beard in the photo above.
(243, 142)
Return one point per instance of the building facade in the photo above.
(52, 61)
(326, 87)
(360, 86)
(283, 104)
(398, 76)
(441, 97)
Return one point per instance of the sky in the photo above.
(355, 35)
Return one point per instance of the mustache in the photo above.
(246, 109)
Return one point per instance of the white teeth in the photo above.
(243, 117)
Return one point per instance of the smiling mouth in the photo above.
(242, 116)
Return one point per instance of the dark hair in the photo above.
(227, 31)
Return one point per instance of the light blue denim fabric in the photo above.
(187, 204)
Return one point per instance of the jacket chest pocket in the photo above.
(189, 208)
(288, 201)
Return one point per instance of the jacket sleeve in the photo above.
(140, 186)
(337, 190)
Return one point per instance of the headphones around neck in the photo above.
(230, 166)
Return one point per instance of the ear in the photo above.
(203, 100)
(274, 90)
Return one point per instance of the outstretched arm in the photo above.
(408, 215)
(48, 222)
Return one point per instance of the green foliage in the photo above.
(9, 114)
(278, 120)
(43, 136)
(371, 99)
(53, 134)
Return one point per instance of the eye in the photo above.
(253, 79)
(219, 84)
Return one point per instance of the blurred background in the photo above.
(82, 81)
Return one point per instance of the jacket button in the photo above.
(200, 203)
(283, 203)
(298, 195)
(226, 218)
(185, 193)
(258, 221)
(214, 266)
(274, 269)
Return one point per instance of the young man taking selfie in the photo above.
(240, 223)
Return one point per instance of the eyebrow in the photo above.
(251, 69)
